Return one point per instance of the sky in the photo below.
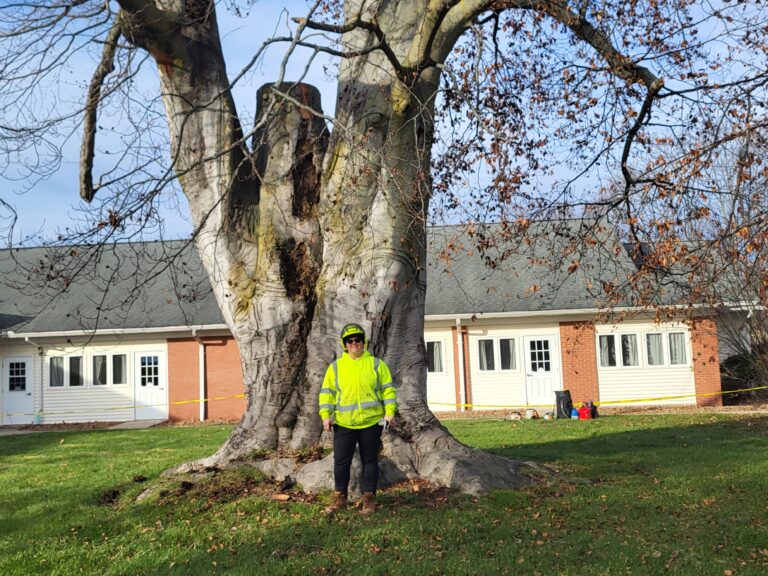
(54, 203)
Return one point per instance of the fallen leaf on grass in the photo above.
(281, 497)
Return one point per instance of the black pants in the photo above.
(344, 442)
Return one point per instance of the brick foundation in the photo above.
(577, 349)
(706, 362)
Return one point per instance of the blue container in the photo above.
(574, 414)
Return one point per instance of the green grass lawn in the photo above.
(679, 494)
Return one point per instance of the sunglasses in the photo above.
(354, 340)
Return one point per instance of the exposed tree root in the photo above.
(435, 457)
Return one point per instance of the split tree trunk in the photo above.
(308, 232)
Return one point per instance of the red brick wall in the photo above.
(577, 343)
(224, 377)
(706, 362)
(183, 379)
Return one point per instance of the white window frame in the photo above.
(642, 342)
(64, 372)
(493, 350)
(616, 351)
(66, 376)
(67, 373)
(638, 350)
(516, 355)
(110, 369)
(87, 372)
(443, 360)
(686, 347)
(664, 350)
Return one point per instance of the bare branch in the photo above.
(644, 114)
(359, 23)
(105, 67)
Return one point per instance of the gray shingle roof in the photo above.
(556, 266)
(122, 286)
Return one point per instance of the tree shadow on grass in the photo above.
(178, 535)
(693, 448)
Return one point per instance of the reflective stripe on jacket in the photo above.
(357, 393)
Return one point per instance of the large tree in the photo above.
(307, 221)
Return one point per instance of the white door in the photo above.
(150, 389)
(542, 369)
(18, 402)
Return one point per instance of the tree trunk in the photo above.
(309, 232)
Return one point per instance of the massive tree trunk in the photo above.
(311, 228)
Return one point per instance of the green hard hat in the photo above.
(350, 330)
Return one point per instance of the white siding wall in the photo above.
(645, 381)
(441, 386)
(89, 403)
(733, 334)
(506, 387)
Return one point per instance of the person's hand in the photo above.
(327, 422)
(391, 420)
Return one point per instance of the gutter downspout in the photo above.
(462, 383)
(201, 373)
(37, 418)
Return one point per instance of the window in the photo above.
(677, 353)
(629, 356)
(75, 370)
(607, 351)
(434, 357)
(540, 359)
(655, 347)
(150, 371)
(17, 376)
(485, 348)
(118, 369)
(99, 370)
(507, 353)
(65, 371)
(56, 377)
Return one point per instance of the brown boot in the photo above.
(369, 504)
(339, 503)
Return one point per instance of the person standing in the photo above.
(357, 394)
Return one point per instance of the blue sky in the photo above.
(53, 203)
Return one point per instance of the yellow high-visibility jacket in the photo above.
(357, 393)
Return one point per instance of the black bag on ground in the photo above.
(563, 404)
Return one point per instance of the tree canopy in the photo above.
(647, 117)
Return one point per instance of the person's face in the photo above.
(354, 345)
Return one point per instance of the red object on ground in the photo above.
(585, 413)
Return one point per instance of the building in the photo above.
(121, 333)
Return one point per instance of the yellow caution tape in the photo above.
(126, 407)
(497, 406)
(604, 403)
